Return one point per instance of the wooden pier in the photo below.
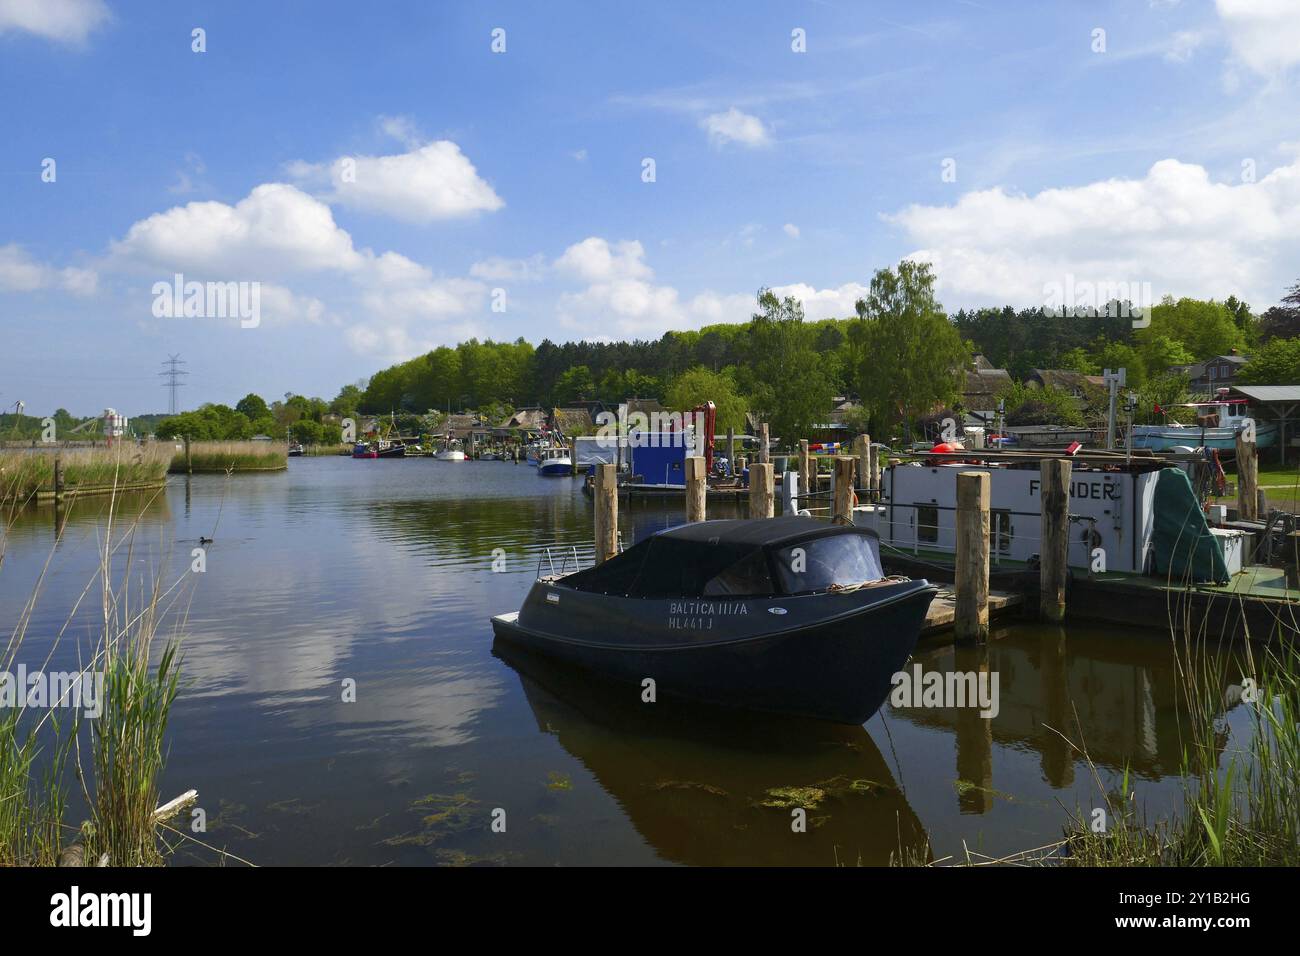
(942, 616)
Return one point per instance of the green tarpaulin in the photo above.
(1184, 550)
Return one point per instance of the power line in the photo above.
(172, 373)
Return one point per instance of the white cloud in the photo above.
(389, 303)
(1174, 228)
(791, 230)
(19, 272)
(1264, 34)
(820, 304)
(66, 21)
(82, 282)
(497, 269)
(595, 260)
(402, 129)
(733, 126)
(1182, 45)
(275, 229)
(432, 182)
(621, 299)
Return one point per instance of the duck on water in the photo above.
(788, 615)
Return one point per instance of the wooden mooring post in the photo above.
(606, 512)
(764, 455)
(761, 503)
(731, 450)
(862, 451)
(696, 488)
(189, 465)
(1053, 556)
(971, 579)
(58, 479)
(807, 475)
(1247, 480)
(843, 511)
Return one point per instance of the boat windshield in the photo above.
(821, 564)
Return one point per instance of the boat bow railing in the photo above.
(567, 554)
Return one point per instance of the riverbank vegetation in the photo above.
(123, 732)
(209, 457)
(25, 475)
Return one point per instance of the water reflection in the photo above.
(710, 786)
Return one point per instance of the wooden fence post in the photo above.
(1247, 480)
(843, 512)
(971, 613)
(696, 488)
(760, 490)
(1054, 496)
(606, 512)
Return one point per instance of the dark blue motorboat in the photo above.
(789, 615)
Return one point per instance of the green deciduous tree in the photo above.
(698, 385)
(790, 387)
(912, 359)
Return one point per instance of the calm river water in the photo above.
(381, 572)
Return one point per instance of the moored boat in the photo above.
(789, 615)
(554, 462)
(1219, 424)
(451, 450)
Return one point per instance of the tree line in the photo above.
(900, 354)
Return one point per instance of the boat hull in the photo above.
(1161, 438)
(828, 656)
(555, 468)
(449, 456)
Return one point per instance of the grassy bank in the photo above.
(26, 474)
(208, 457)
(115, 712)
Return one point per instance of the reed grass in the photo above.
(210, 457)
(40, 748)
(317, 451)
(25, 474)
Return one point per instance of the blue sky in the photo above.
(386, 179)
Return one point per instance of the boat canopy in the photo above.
(788, 555)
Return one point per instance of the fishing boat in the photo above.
(787, 615)
(295, 450)
(533, 452)
(363, 449)
(1219, 423)
(555, 462)
(451, 450)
